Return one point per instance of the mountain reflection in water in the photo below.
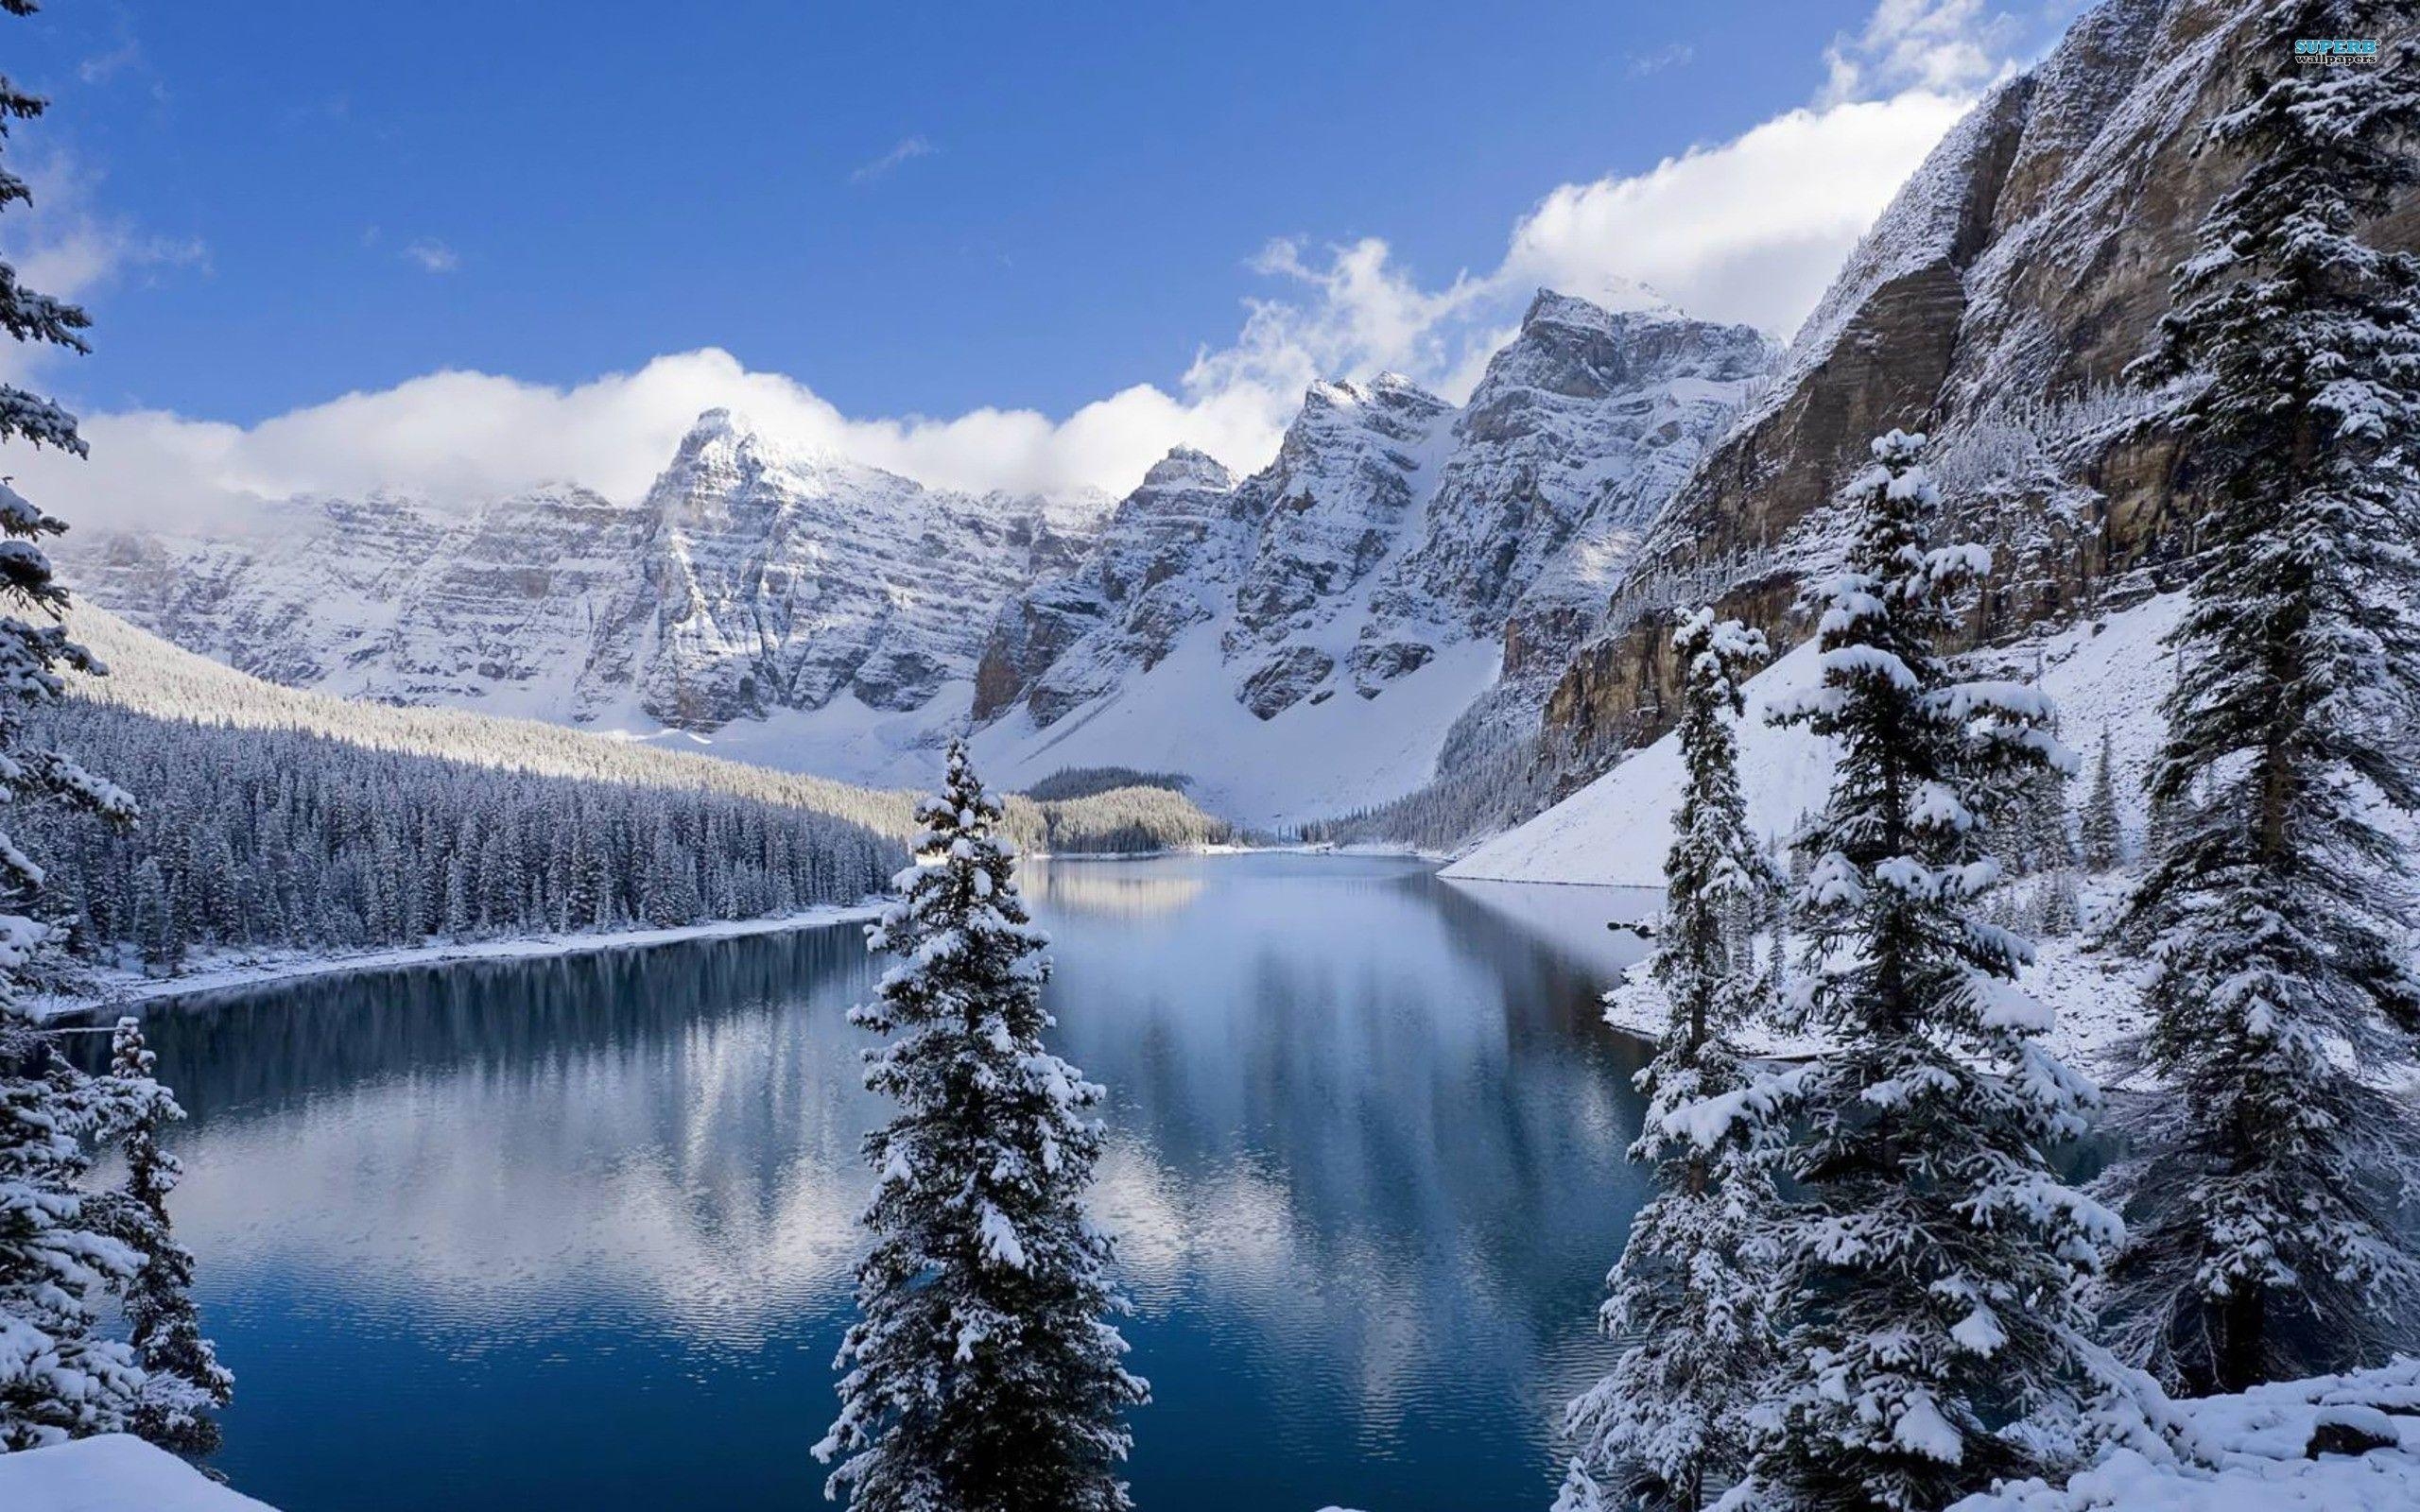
(579, 1231)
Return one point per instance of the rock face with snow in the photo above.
(1390, 525)
(771, 580)
(1996, 303)
(750, 580)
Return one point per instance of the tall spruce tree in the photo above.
(1930, 1273)
(1667, 1424)
(983, 1373)
(2102, 848)
(2277, 914)
(60, 1378)
(183, 1381)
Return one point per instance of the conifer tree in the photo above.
(59, 1377)
(183, 1381)
(2276, 912)
(983, 1373)
(2102, 848)
(1666, 1425)
(1930, 1273)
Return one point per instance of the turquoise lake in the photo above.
(577, 1231)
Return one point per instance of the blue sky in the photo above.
(909, 210)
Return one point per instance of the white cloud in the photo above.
(1672, 55)
(464, 437)
(432, 255)
(1747, 229)
(1752, 229)
(101, 67)
(905, 149)
(60, 245)
(1937, 46)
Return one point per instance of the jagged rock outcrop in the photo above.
(1144, 583)
(309, 596)
(780, 580)
(1997, 302)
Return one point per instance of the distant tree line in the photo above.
(1088, 781)
(277, 837)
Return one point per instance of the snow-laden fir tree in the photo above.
(1667, 1425)
(60, 1378)
(184, 1382)
(2101, 849)
(1929, 1270)
(983, 1374)
(2277, 915)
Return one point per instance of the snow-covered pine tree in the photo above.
(2102, 848)
(1666, 1424)
(59, 1377)
(983, 1373)
(2276, 912)
(183, 1381)
(1929, 1270)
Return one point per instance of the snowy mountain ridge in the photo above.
(800, 610)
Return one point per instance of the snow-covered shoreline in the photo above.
(235, 972)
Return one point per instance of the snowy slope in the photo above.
(2258, 1444)
(2108, 675)
(114, 1472)
(1307, 759)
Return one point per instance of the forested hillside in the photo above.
(287, 838)
(274, 818)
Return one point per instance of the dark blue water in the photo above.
(578, 1232)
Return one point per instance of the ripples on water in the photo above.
(579, 1231)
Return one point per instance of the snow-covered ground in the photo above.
(115, 1472)
(2110, 675)
(1312, 761)
(218, 974)
(2260, 1455)
(2095, 1006)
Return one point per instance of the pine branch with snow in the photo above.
(2276, 914)
(1666, 1423)
(983, 1373)
(1930, 1269)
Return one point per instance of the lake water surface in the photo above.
(577, 1232)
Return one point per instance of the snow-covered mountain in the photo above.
(803, 610)
(1419, 557)
(750, 581)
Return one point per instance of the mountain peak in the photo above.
(1185, 467)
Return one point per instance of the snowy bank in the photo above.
(227, 972)
(2108, 675)
(115, 1472)
(2095, 1006)
(2347, 1443)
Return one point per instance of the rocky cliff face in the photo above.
(770, 580)
(1996, 304)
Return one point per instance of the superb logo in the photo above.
(2333, 51)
